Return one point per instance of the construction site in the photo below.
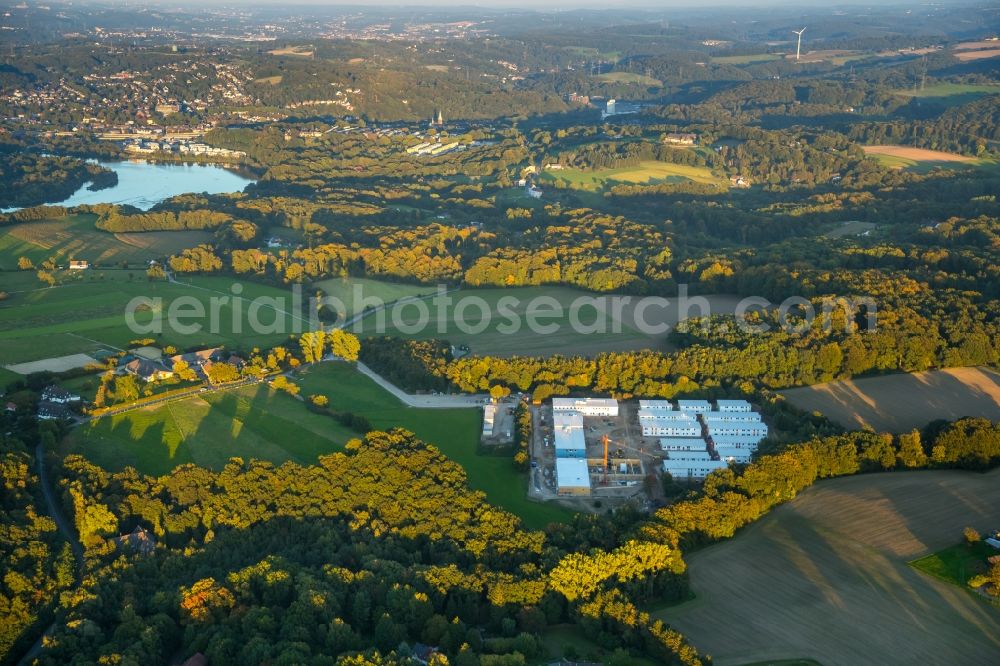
(594, 452)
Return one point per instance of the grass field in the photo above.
(344, 290)
(251, 422)
(87, 312)
(851, 228)
(647, 172)
(952, 93)
(76, 237)
(901, 402)
(497, 340)
(256, 422)
(966, 56)
(921, 160)
(629, 77)
(455, 431)
(825, 577)
(745, 59)
(956, 564)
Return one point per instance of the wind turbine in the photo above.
(798, 47)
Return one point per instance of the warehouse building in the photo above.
(567, 430)
(732, 406)
(586, 406)
(572, 476)
(694, 406)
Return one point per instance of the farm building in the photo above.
(572, 476)
(489, 416)
(681, 138)
(692, 469)
(147, 370)
(567, 429)
(58, 395)
(586, 406)
(78, 264)
(655, 406)
(683, 444)
(694, 406)
(732, 406)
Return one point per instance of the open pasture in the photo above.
(920, 159)
(826, 577)
(455, 432)
(580, 323)
(87, 311)
(647, 172)
(748, 59)
(901, 402)
(630, 77)
(76, 237)
(207, 430)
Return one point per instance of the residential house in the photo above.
(58, 395)
(140, 540)
(147, 370)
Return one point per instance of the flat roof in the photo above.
(654, 415)
(694, 404)
(689, 455)
(732, 403)
(663, 405)
(572, 473)
(684, 442)
(694, 464)
(566, 402)
(568, 432)
(731, 417)
(729, 440)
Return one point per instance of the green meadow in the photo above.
(645, 173)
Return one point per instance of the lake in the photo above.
(144, 184)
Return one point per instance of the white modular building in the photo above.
(730, 417)
(660, 415)
(690, 455)
(489, 417)
(586, 406)
(567, 431)
(655, 406)
(736, 455)
(572, 476)
(671, 444)
(692, 469)
(748, 442)
(745, 428)
(732, 405)
(694, 406)
(688, 427)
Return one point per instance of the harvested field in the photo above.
(826, 577)
(984, 44)
(901, 402)
(966, 56)
(917, 154)
(55, 364)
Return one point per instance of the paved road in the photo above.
(425, 401)
(67, 532)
